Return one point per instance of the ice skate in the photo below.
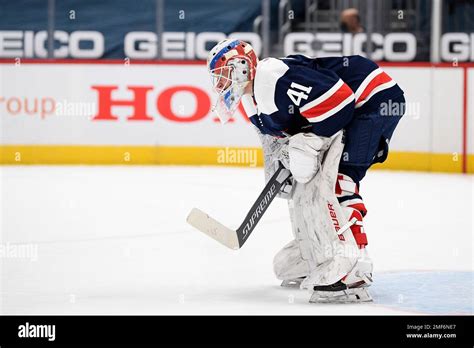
(341, 293)
(351, 289)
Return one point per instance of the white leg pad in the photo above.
(288, 263)
(318, 218)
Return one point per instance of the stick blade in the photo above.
(213, 228)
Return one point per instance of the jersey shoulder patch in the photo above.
(269, 71)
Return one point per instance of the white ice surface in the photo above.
(113, 240)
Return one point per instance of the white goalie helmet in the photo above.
(232, 65)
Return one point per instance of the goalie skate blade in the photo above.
(355, 295)
(213, 228)
(292, 283)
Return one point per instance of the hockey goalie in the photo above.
(327, 120)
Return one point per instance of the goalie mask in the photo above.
(232, 65)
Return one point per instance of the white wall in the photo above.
(433, 123)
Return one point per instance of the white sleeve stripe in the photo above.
(268, 72)
(366, 82)
(374, 91)
(322, 97)
(332, 111)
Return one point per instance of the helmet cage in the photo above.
(222, 79)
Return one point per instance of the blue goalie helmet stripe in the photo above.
(222, 52)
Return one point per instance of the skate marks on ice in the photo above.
(425, 292)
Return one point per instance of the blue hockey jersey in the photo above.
(320, 95)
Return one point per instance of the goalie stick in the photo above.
(235, 239)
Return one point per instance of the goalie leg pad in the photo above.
(347, 192)
(288, 263)
(322, 229)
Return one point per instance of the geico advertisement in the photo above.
(114, 104)
(189, 45)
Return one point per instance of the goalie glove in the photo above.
(299, 153)
(304, 153)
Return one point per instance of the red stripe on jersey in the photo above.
(378, 80)
(333, 101)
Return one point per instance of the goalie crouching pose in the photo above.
(327, 120)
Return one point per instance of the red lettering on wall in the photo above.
(106, 102)
(203, 104)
